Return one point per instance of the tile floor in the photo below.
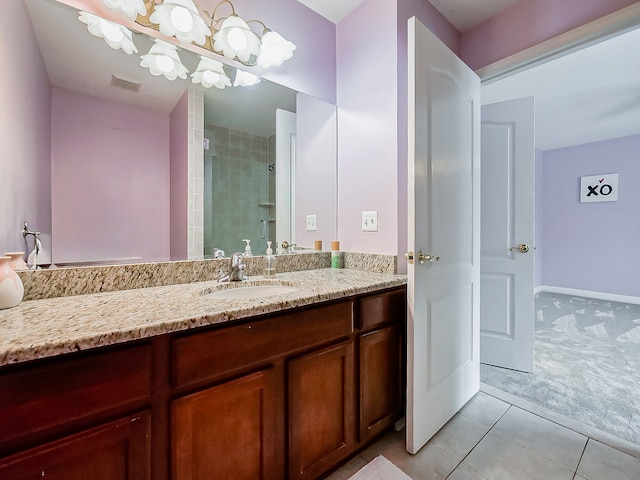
(490, 439)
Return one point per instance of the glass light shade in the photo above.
(245, 79)
(180, 19)
(130, 8)
(210, 73)
(163, 59)
(116, 36)
(236, 40)
(274, 50)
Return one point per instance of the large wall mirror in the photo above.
(121, 140)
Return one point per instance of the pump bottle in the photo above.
(269, 262)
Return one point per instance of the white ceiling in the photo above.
(463, 14)
(587, 96)
(466, 14)
(334, 10)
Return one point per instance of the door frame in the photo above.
(611, 25)
(596, 31)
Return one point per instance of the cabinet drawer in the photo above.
(118, 450)
(202, 356)
(383, 308)
(40, 397)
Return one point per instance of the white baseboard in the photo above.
(612, 297)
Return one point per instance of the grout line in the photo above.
(578, 427)
(476, 444)
(472, 449)
(581, 456)
(501, 416)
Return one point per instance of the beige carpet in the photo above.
(380, 469)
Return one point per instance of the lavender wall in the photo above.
(528, 23)
(312, 70)
(110, 166)
(315, 170)
(179, 171)
(25, 131)
(367, 93)
(591, 246)
(372, 123)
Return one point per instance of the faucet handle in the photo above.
(237, 260)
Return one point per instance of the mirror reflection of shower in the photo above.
(239, 191)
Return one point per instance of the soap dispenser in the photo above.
(269, 262)
(247, 248)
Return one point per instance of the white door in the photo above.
(443, 357)
(285, 176)
(507, 216)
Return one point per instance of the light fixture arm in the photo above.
(265, 29)
(214, 20)
(149, 6)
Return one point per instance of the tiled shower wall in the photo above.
(237, 204)
(195, 242)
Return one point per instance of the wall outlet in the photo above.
(370, 221)
(311, 223)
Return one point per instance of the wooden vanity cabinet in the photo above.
(289, 395)
(322, 419)
(227, 431)
(70, 417)
(381, 380)
(382, 361)
(232, 422)
(117, 450)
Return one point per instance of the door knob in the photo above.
(422, 257)
(522, 248)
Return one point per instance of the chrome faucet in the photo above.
(236, 274)
(218, 253)
(286, 246)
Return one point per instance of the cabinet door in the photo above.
(115, 451)
(381, 367)
(227, 431)
(321, 410)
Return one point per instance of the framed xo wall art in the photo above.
(599, 188)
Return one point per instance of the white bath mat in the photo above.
(380, 469)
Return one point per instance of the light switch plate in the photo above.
(370, 221)
(311, 223)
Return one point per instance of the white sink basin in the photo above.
(253, 291)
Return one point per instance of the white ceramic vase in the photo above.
(11, 288)
(17, 260)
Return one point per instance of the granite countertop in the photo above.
(45, 328)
